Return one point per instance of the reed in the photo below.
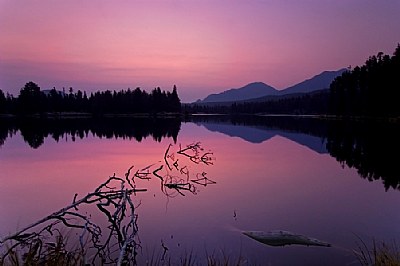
(57, 254)
(380, 254)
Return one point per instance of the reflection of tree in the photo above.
(3, 135)
(118, 242)
(364, 146)
(306, 125)
(34, 131)
(369, 147)
(7, 128)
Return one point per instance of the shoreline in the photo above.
(77, 115)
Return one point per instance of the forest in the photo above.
(372, 89)
(308, 103)
(32, 100)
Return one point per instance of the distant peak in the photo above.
(249, 91)
(259, 89)
(257, 83)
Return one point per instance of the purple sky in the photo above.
(201, 46)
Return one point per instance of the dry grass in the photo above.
(381, 253)
(44, 254)
(56, 254)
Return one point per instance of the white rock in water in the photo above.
(282, 238)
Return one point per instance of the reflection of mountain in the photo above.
(256, 129)
(250, 134)
(258, 134)
(316, 144)
(369, 146)
(34, 131)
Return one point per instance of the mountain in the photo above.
(318, 82)
(252, 90)
(260, 89)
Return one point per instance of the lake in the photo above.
(337, 181)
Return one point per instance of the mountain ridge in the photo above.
(256, 90)
(317, 82)
(249, 91)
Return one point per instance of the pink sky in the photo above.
(201, 46)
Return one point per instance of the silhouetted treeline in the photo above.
(307, 103)
(372, 89)
(32, 100)
(35, 131)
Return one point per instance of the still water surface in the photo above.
(290, 175)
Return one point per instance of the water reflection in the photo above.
(257, 129)
(34, 131)
(273, 185)
(116, 241)
(368, 146)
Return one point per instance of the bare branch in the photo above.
(118, 242)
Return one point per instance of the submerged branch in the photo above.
(118, 242)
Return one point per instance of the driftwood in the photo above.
(114, 202)
(283, 238)
(117, 243)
